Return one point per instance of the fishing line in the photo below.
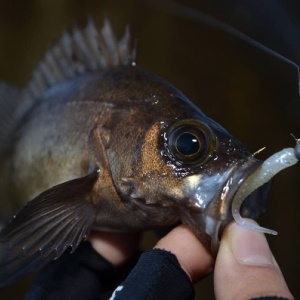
(192, 14)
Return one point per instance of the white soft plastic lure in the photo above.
(273, 165)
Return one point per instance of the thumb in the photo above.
(245, 267)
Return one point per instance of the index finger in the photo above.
(192, 256)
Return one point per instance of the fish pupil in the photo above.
(187, 144)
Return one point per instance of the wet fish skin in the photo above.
(100, 151)
(127, 152)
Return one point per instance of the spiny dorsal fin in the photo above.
(80, 52)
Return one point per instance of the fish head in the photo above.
(180, 165)
(212, 165)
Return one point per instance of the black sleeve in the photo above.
(157, 275)
(83, 274)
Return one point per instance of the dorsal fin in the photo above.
(80, 52)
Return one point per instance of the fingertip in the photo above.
(246, 268)
(193, 257)
(117, 248)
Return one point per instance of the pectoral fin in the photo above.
(45, 227)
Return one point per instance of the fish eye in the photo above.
(189, 142)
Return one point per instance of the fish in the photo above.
(94, 142)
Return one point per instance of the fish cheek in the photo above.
(159, 176)
(154, 170)
(144, 180)
(157, 182)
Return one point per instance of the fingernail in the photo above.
(250, 247)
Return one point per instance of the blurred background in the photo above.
(251, 92)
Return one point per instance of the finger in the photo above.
(245, 267)
(191, 254)
(117, 248)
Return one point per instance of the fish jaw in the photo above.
(210, 199)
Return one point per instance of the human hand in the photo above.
(244, 269)
(117, 248)
(85, 274)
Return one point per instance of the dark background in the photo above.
(249, 91)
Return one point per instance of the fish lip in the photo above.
(220, 205)
(210, 197)
(217, 214)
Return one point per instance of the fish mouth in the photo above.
(220, 205)
(214, 196)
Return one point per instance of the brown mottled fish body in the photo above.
(104, 144)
